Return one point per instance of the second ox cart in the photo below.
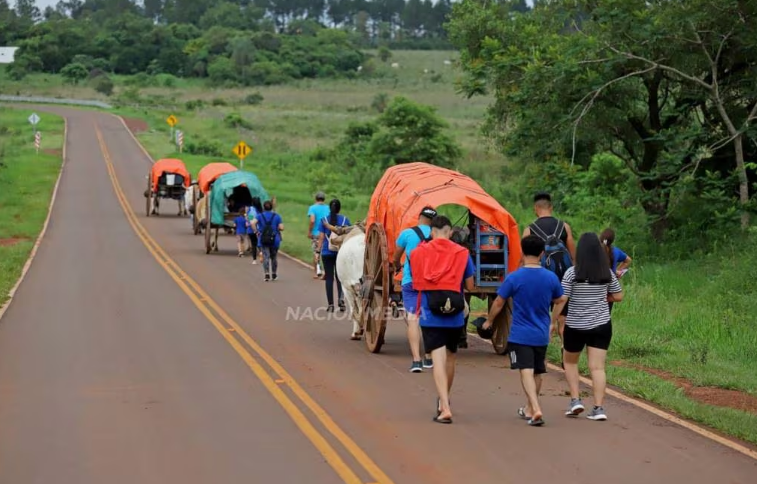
(492, 239)
(228, 193)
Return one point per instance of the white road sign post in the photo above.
(33, 120)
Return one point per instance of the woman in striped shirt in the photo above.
(589, 285)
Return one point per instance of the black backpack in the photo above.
(268, 236)
(420, 235)
(556, 256)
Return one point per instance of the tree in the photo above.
(27, 10)
(573, 79)
(74, 73)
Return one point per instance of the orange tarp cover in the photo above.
(169, 165)
(210, 172)
(405, 189)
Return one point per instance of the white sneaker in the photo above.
(254, 262)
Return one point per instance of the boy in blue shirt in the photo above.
(317, 212)
(240, 224)
(533, 290)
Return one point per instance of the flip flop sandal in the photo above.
(536, 423)
(522, 413)
(438, 404)
(442, 420)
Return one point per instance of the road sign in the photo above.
(242, 150)
(171, 120)
(37, 140)
(34, 119)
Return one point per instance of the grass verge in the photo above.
(27, 180)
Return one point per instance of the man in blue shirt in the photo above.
(442, 270)
(269, 220)
(407, 241)
(533, 290)
(317, 212)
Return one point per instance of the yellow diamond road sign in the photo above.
(172, 120)
(242, 150)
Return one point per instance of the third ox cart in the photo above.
(490, 234)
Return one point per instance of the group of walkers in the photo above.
(258, 230)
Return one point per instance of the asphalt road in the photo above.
(129, 355)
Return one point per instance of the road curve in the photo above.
(121, 363)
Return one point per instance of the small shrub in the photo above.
(384, 53)
(436, 78)
(380, 102)
(219, 102)
(201, 146)
(166, 80)
(253, 99)
(74, 72)
(194, 104)
(95, 73)
(104, 85)
(235, 120)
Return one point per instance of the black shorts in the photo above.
(524, 357)
(436, 337)
(574, 340)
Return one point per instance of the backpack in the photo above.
(438, 270)
(420, 235)
(268, 237)
(556, 257)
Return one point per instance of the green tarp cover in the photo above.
(224, 186)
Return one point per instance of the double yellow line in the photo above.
(228, 328)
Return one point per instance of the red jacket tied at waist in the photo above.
(438, 265)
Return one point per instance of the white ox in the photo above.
(349, 268)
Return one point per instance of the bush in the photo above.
(235, 120)
(74, 72)
(166, 80)
(219, 102)
(201, 146)
(380, 102)
(103, 85)
(194, 104)
(384, 53)
(253, 99)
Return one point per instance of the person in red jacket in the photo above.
(441, 270)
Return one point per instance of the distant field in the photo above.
(26, 184)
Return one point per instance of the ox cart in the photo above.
(492, 239)
(205, 178)
(228, 194)
(168, 178)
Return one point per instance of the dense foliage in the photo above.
(668, 88)
(229, 41)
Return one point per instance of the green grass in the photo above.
(26, 183)
(690, 319)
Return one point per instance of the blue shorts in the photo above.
(409, 298)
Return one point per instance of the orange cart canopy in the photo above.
(169, 165)
(210, 172)
(405, 189)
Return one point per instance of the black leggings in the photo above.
(329, 269)
(254, 245)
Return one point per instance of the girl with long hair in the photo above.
(589, 285)
(252, 212)
(328, 257)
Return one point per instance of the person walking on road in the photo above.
(240, 225)
(328, 256)
(407, 241)
(268, 228)
(588, 286)
(252, 213)
(441, 271)
(534, 291)
(317, 212)
(619, 260)
(560, 246)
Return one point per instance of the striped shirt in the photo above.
(587, 307)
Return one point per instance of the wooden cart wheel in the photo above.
(375, 302)
(195, 203)
(501, 325)
(148, 198)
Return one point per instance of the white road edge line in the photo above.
(149, 157)
(620, 396)
(33, 253)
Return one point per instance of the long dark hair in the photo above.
(256, 204)
(334, 206)
(608, 237)
(592, 265)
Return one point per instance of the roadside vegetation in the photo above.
(26, 184)
(684, 336)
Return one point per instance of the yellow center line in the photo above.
(205, 303)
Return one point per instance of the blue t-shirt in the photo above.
(618, 256)
(240, 222)
(318, 210)
(532, 290)
(341, 221)
(429, 319)
(251, 215)
(272, 219)
(409, 240)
